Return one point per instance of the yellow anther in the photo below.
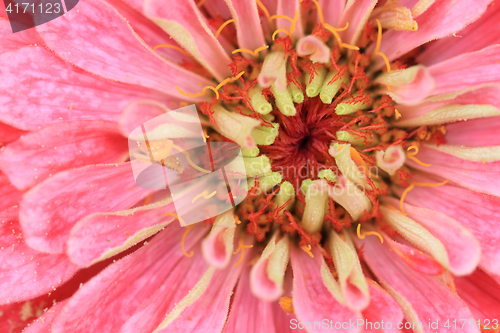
(412, 186)
(398, 115)
(229, 80)
(280, 16)
(215, 90)
(223, 26)
(188, 228)
(254, 53)
(148, 199)
(170, 46)
(204, 194)
(280, 30)
(411, 156)
(377, 48)
(241, 247)
(334, 31)
(264, 9)
(362, 236)
(307, 250)
(205, 136)
(177, 217)
(294, 23)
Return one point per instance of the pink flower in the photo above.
(372, 159)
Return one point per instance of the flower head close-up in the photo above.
(267, 166)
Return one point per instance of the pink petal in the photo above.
(467, 70)
(474, 175)
(100, 235)
(182, 278)
(417, 6)
(412, 289)
(218, 8)
(312, 300)
(9, 194)
(480, 292)
(288, 8)
(249, 313)
(24, 272)
(43, 323)
(356, 15)
(208, 313)
(475, 211)
(422, 85)
(40, 155)
(249, 29)
(137, 113)
(463, 249)
(14, 41)
(332, 11)
(442, 19)
(474, 133)
(474, 37)
(122, 56)
(49, 210)
(488, 95)
(312, 45)
(57, 91)
(202, 45)
(104, 303)
(382, 308)
(9, 134)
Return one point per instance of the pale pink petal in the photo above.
(474, 133)
(475, 211)
(356, 15)
(104, 303)
(442, 19)
(411, 289)
(24, 272)
(289, 8)
(50, 209)
(382, 308)
(480, 292)
(475, 37)
(57, 91)
(248, 27)
(182, 278)
(217, 8)
(249, 313)
(102, 235)
(137, 113)
(121, 56)
(184, 22)
(417, 6)
(467, 70)
(42, 154)
(9, 194)
(11, 41)
(453, 107)
(43, 323)
(475, 175)
(313, 46)
(462, 247)
(208, 311)
(332, 11)
(312, 300)
(408, 86)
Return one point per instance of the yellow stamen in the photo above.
(280, 30)
(201, 3)
(223, 26)
(229, 80)
(307, 250)
(204, 194)
(241, 247)
(412, 186)
(412, 156)
(281, 16)
(200, 93)
(148, 199)
(188, 158)
(362, 236)
(286, 303)
(172, 47)
(177, 217)
(294, 23)
(264, 9)
(188, 228)
(398, 115)
(359, 161)
(377, 48)
(254, 53)
(334, 31)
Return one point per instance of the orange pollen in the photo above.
(286, 304)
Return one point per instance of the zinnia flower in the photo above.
(370, 137)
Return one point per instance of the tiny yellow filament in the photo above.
(280, 16)
(280, 30)
(188, 228)
(411, 156)
(398, 115)
(241, 247)
(204, 194)
(201, 3)
(264, 9)
(254, 53)
(307, 250)
(177, 217)
(412, 186)
(223, 26)
(172, 47)
(377, 48)
(362, 236)
(334, 31)
(215, 90)
(188, 158)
